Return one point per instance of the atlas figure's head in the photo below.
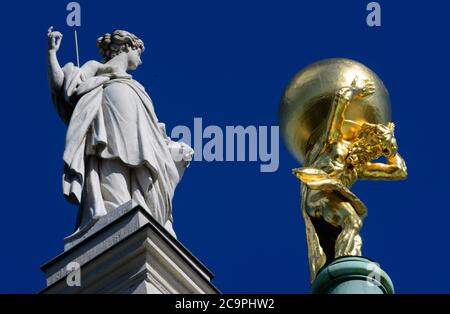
(373, 141)
(112, 45)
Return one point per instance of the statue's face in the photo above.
(134, 59)
(390, 146)
(386, 139)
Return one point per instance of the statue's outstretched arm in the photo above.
(343, 98)
(394, 169)
(55, 73)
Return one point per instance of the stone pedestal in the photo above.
(352, 275)
(129, 252)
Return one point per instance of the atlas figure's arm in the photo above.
(55, 73)
(342, 99)
(394, 169)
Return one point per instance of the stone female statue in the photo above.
(116, 150)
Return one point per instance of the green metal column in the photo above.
(352, 275)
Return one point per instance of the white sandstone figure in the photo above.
(116, 150)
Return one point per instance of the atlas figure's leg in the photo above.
(317, 207)
(349, 242)
(342, 237)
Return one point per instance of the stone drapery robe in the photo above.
(112, 127)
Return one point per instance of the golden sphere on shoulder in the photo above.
(308, 98)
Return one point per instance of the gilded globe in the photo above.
(308, 98)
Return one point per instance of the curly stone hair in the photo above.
(110, 45)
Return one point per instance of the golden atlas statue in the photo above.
(335, 118)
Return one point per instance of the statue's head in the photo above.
(112, 45)
(373, 141)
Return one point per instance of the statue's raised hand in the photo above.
(363, 88)
(54, 39)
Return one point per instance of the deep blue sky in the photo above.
(228, 62)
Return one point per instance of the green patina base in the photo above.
(352, 275)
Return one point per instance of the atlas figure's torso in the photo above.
(332, 160)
